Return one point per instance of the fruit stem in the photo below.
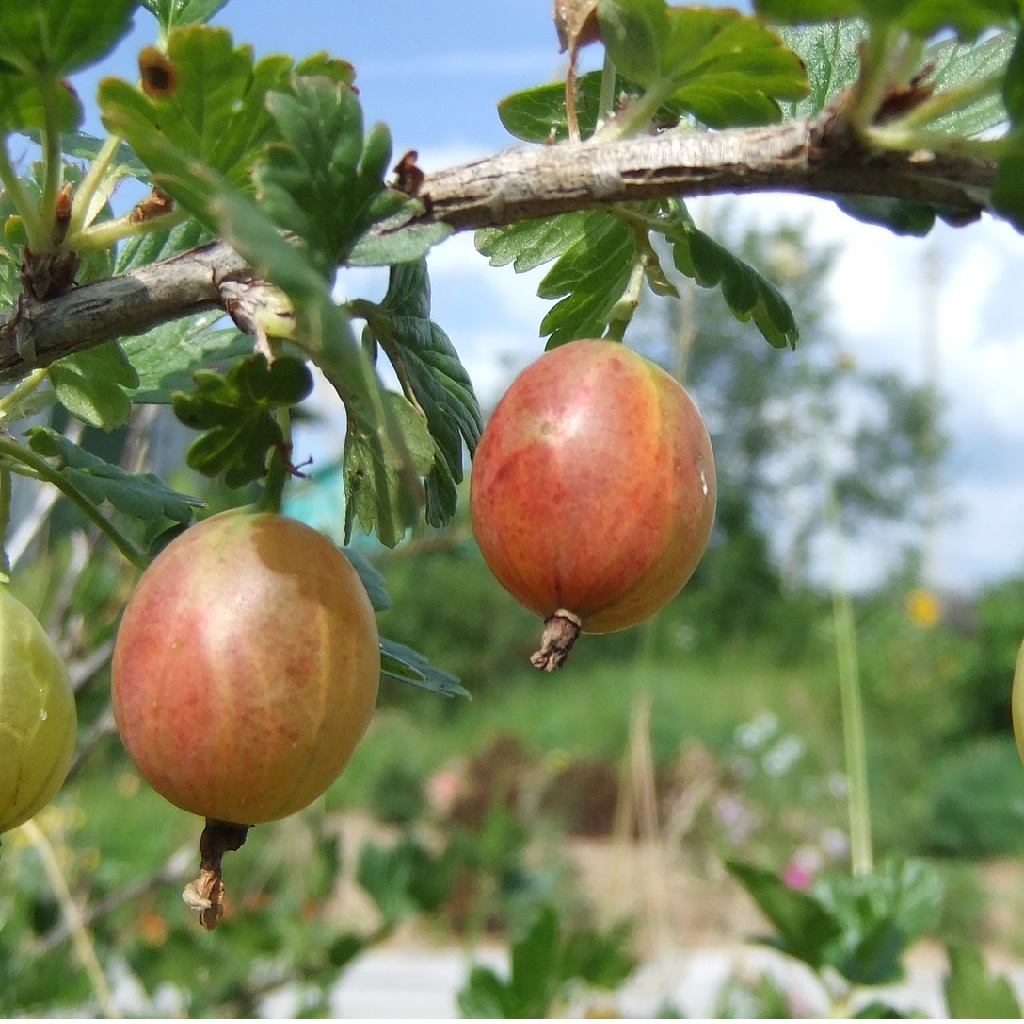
(560, 633)
(205, 894)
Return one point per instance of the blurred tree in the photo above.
(793, 431)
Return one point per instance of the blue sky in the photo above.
(434, 73)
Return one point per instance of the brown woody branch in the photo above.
(814, 157)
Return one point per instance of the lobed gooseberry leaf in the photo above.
(235, 412)
(142, 496)
(830, 52)
(957, 64)
(968, 18)
(166, 357)
(171, 13)
(153, 246)
(212, 110)
(728, 69)
(723, 67)
(405, 665)
(588, 279)
(375, 487)
(433, 377)
(805, 927)
(54, 38)
(530, 243)
(748, 294)
(971, 993)
(91, 385)
(322, 179)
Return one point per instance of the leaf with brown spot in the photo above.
(157, 72)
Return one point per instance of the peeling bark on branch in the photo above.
(813, 157)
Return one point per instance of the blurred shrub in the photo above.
(447, 605)
(985, 675)
(396, 793)
(977, 799)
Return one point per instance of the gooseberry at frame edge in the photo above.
(244, 675)
(38, 719)
(593, 491)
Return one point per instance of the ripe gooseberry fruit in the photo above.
(593, 491)
(244, 674)
(37, 715)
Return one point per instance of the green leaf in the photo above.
(142, 496)
(968, 18)
(961, 64)
(215, 113)
(900, 216)
(153, 246)
(1008, 190)
(372, 581)
(879, 1010)
(634, 33)
(23, 108)
(591, 274)
(235, 411)
(171, 13)
(728, 69)
(530, 243)
(485, 996)
(538, 114)
(806, 929)
(398, 245)
(344, 949)
(432, 376)
(881, 914)
(405, 665)
(830, 53)
(385, 875)
(322, 180)
(376, 474)
(971, 993)
(55, 38)
(534, 980)
(599, 958)
(91, 385)
(746, 292)
(167, 357)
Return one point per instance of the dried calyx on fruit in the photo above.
(244, 675)
(593, 491)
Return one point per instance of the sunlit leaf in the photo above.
(588, 279)
(58, 37)
(91, 385)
